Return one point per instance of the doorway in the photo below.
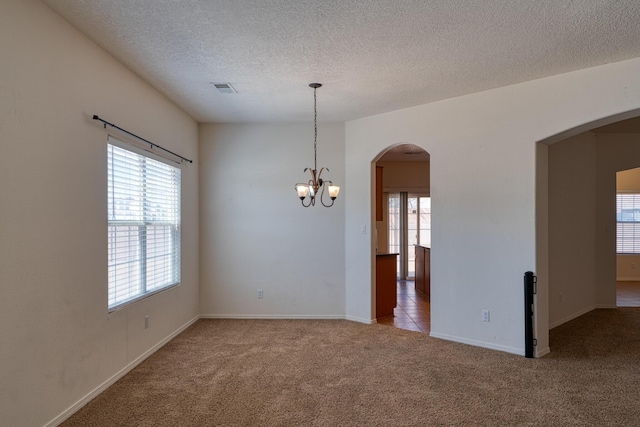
(628, 238)
(403, 197)
(578, 224)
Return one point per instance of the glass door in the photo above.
(409, 225)
(418, 228)
(394, 228)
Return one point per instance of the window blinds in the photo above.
(143, 225)
(628, 223)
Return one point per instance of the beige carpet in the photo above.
(341, 373)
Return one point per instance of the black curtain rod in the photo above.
(95, 117)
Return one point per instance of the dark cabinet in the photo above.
(386, 292)
(423, 270)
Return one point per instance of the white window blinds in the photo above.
(628, 223)
(143, 225)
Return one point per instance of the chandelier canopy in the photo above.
(309, 190)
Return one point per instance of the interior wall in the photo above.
(628, 180)
(572, 227)
(254, 232)
(483, 182)
(405, 176)
(615, 152)
(541, 296)
(628, 265)
(58, 343)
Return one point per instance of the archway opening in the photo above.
(403, 237)
(577, 221)
(628, 238)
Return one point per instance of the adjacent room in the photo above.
(197, 197)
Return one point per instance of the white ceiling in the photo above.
(372, 56)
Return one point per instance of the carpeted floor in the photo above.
(341, 373)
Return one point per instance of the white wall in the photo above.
(628, 265)
(254, 232)
(483, 189)
(572, 228)
(57, 341)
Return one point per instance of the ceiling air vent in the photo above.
(225, 87)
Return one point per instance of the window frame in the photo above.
(628, 239)
(144, 225)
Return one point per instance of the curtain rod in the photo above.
(95, 117)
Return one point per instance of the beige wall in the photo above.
(58, 343)
(572, 227)
(628, 180)
(628, 267)
(412, 177)
(405, 176)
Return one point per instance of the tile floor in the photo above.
(414, 308)
(413, 311)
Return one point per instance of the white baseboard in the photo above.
(543, 352)
(273, 316)
(506, 349)
(572, 316)
(606, 306)
(361, 320)
(102, 387)
(290, 316)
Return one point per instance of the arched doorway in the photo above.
(403, 227)
(628, 237)
(576, 220)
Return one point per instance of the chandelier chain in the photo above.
(316, 186)
(315, 131)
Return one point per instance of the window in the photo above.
(628, 223)
(143, 225)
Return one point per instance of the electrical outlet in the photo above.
(146, 321)
(485, 315)
(260, 294)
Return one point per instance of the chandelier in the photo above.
(312, 187)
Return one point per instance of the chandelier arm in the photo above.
(322, 198)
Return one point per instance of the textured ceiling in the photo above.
(372, 56)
